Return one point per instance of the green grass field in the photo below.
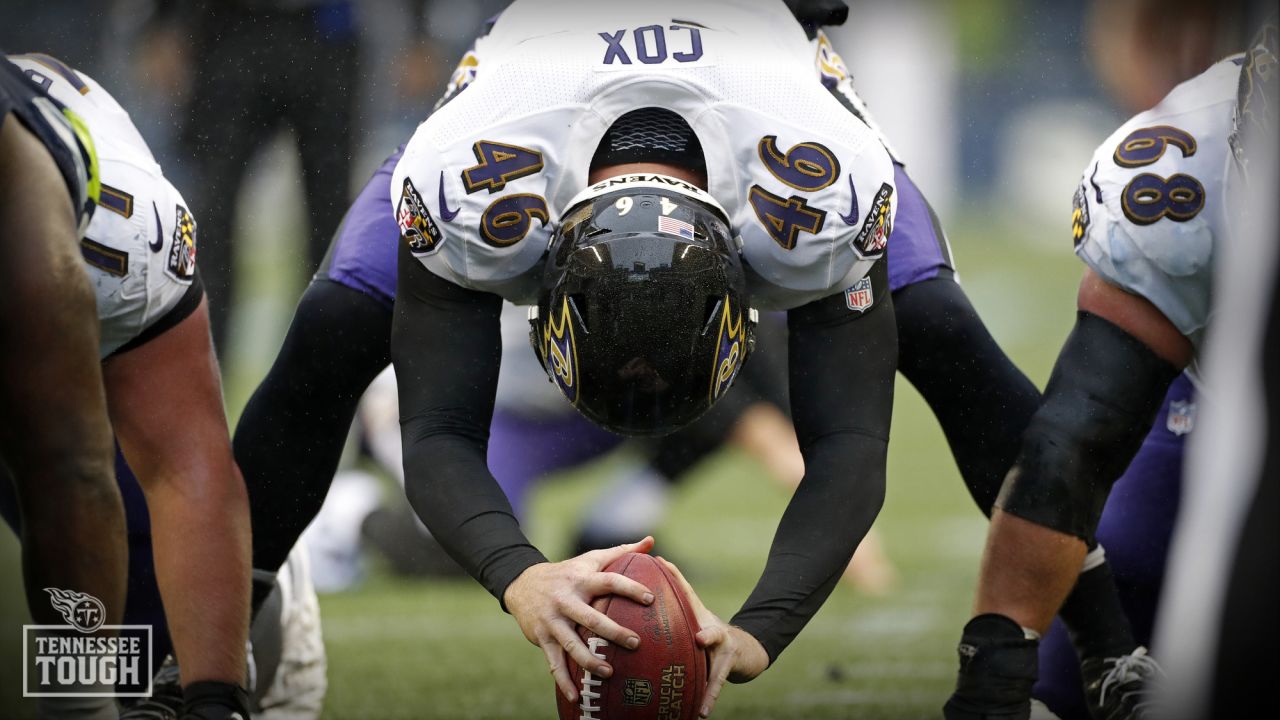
(443, 649)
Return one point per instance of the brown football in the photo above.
(663, 679)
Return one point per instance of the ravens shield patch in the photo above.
(417, 227)
(873, 238)
(181, 263)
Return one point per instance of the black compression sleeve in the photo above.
(289, 438)
(980, 398)
(1101, 399)
(446, 345)
(842, 367)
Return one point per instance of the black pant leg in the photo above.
(321, 111)
(229, 116)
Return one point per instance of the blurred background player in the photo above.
(243, 72)
(258, 67)
(164, 394)
(55, 439)
(1149, 213)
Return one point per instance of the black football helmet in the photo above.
(643, 320)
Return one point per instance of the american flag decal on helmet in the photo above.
(673, 226)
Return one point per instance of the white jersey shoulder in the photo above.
(1151, 208)
(807, 185)
(140, 246)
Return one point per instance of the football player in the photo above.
(163, 394)
(291, 433)
(1149, 213)
(55, 440)
(290, 436)
(1138, 64)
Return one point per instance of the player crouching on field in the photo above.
(164, 397)
(1149, 212)
(55, 440)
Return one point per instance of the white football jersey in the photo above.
(1152, 205)
(807, 186)
(140, 247)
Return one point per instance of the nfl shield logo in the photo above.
(859, 297)
(637, 691)
(1182, 417)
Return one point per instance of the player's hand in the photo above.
(736, 655)
(550, 600)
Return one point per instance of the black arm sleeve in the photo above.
(842, 366)
(980, 398)
(446, 346)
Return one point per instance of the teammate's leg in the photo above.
(980, 398)
(143, 605)
(1136, 529)
(523, 449)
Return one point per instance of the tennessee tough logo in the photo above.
(82, 611)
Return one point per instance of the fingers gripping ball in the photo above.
(663, 679)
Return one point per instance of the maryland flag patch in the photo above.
(182, 254)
